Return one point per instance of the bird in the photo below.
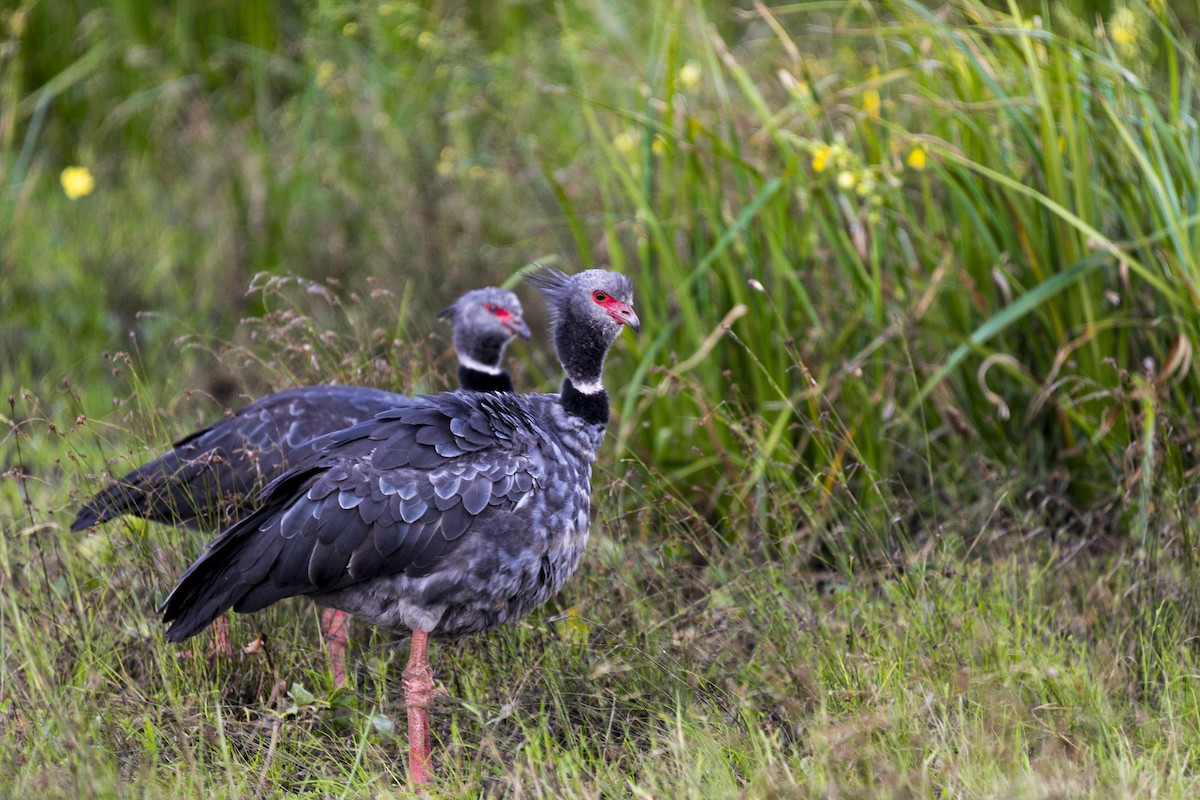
(211, 476)
(444, 516)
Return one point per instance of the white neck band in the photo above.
(470, 363)
(593, 387)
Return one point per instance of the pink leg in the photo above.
(418, 695)
(334, 627)
(220, 629)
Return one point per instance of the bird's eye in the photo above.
(492, 308)
(599, 296)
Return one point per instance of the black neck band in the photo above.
(475, 381)
(591, 408)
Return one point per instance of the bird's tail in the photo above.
(171, 489)
(232, 568)
(211, 585)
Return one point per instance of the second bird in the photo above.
(210, 478)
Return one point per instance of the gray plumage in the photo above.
(485, 321)
(212, 475)
(448, 514)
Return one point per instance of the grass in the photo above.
(898, 497)
(1038, 671)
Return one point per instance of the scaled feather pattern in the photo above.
(450, 514)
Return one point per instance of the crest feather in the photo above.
(548, 280)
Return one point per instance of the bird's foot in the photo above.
(335, 626)
(220, 644)
(418, 696)
(220, 647)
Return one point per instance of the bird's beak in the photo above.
(518, 327)
(625, 315)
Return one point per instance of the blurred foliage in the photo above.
(920, 291)
(878, 246)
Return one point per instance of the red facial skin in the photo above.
(618, 310)
(507, 319)
(498, 311)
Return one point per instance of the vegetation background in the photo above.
(899, 498)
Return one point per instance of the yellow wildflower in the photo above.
(624, 143)
(820, 158)
(916, 158)
(659, 145)
(324, 73)
(1124, 28)
(689, 76)
(846, 179)
(77, 182)
(870, 101)
(350, 28)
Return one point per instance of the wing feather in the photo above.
(218, 470)
(380, 501)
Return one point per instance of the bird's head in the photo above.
(597, 299)
(485, 321)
